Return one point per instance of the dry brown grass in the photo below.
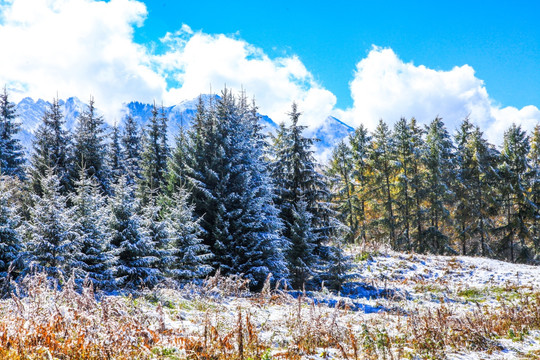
(41, 322)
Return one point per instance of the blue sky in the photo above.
(499, 39)
(359, 61)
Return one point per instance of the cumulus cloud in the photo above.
(86, 47)
(386, 87)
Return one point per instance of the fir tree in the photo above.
(417, 181)
(439, 165)
(52, 239)
(188, 257)
(515, 194)
(233, 192)
(154, 158)
(136, 264)
(404, 156)
(89, 145)
(115, 158)
(11, 245)
(11, 150)
(294, 170)
(381, 162)
(341, 183)
(132, 149)
(534, 184)
(52, 150)
(178, 164)
(94, 258)
(301, 257)
(360, 145)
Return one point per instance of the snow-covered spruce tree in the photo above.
(89, 146)
(11, 245)
(516, 205)
(188, 257)
(132, 149)
(232, 191)
(360, 143)
(94, 258)
(382, 165)
(475, 190)
(301, 257)
(341, 182)
(154, 158)
(136, 264)
(178, 163)
(404, 198)
(115, 157)
(294, 170)
(11, 150)
(52, 150)
(534, 181)
(154, 230)
(440, 169)
(51, 237)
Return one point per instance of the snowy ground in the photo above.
(395, 306)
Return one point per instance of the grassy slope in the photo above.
(395, 306)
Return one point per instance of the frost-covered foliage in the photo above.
(232, 190)
(52, 150)
(137, 257)
(11, 244)
(11, 150)
(188, 257)
(51, 235)
(131, 150)
(89, 146)
(94, 259)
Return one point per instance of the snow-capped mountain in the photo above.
(30, 113)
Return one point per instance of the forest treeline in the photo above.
(419, 188)
(123, 210)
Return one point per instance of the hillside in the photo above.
(395, 306)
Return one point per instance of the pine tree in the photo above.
(136, 264)
(404, 156)
(52, 150)
(534, 176)
(341, 184)
(515, 195)
(294, 170)
(381, 159)
(52, 239)
(188, 257)
(439, 165)
(418, 185)
(178, 165)
(475, 189)
(233, 193)
(301, 257)
(154, 230)
(360, 145)
(154, 158)
(94, 257)
(89, 145)
(115, 158)
(132, 149)
(11, 150)
(11, 245)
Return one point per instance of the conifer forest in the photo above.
(125, 211)
(115, 244)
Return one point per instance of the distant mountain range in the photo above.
(30, 113)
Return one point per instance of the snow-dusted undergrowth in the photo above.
(395, 306)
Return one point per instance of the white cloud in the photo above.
(386, 87)
(86, 47)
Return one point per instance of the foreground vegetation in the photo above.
(392, 311)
